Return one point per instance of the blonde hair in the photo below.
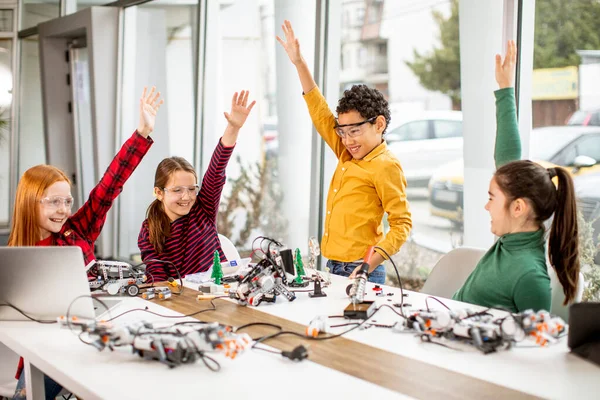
(25, 229)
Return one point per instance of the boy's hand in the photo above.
(291, 44)
(353, 274)
(505, 71)
(149, 106)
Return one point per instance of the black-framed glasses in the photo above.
(353, 130)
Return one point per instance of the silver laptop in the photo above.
(42, 282)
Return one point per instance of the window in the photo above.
(360, 16)
(6, 80)
(362, 57)
(589, 146)
(32, 141)
(269, 174)
(417, 130)
(447, 129)
(38, 11)
(158, 49)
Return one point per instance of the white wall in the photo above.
(589, 78)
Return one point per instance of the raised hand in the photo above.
(291, 44)
(239, 111)
(149, 105)
(505, 70)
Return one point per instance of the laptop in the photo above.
(43, 282)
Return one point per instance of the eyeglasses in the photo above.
(55, 202)
(182, 190)
(354, 130)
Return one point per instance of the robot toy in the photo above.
(183, 343)
(115, 277)
(482, 330)
(264, 282)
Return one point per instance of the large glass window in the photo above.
(159, 49)
(419, 74)
(31, 125)
(37, 11)
(6, 82)
(268, 187)
(565, 92)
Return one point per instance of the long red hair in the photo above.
(25, 229)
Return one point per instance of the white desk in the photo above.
(121, 375)
(549, 372)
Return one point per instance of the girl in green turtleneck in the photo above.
(522, 195)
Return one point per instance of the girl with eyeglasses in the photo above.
(181, 223)
(42, 213)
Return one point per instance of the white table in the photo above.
(121, 375)
(549, 372)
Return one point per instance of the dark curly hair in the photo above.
(367, 101)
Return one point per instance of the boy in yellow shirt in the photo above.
(368, 179)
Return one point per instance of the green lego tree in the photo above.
(299, 267)
(217, 272)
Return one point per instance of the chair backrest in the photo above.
(558, 296)
(451, 271)
(229, 249)
(8, 367)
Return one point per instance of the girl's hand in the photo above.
(149, 106)
(505, 71)
(239, 111)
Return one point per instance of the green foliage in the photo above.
(439, 70)
(561, 27)
(587, 252)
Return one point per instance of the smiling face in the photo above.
(54, 208)
(179, 195)
(366, 136)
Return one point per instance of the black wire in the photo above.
(214, 307)
(438, 300)
(258, 324)
(267, 350)
(176, 270)
(399, 279)
(359, 324)
(40, 321)
(425, 338)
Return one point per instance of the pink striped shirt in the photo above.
(194, 238)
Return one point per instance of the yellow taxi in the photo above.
(574, 147)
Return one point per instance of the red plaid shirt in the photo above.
(83, 228)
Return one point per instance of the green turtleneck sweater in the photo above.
(512, 274)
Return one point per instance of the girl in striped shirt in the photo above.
(180, 228)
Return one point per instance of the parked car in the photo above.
(425, 142)
(575, 147)
(585, 118)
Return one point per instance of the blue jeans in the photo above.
(52, 388)
(346, 268)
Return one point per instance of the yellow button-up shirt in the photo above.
(359, 193)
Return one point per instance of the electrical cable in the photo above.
(174, 267)
(39, 321)
(398, 276)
